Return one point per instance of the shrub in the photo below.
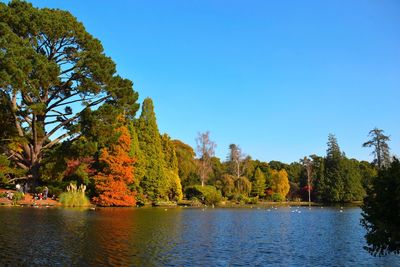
(74, 197)
(252, 200)
(276, 197)
(208, 194)
(17, 197)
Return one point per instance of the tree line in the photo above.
(68, 117)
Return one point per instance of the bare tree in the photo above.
(205, 151)
(308, 164)
(236, 159)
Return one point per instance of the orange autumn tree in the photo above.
(112, 182)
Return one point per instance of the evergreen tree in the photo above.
(320, 183)
(154, 182)
(381, 148)
(353, 189)
(258, 184)
(138, 155)
(381, 216)
(174, 188)
(333, 173)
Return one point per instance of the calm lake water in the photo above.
(184, 237)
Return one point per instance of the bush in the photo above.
(276, 197)
(74, 197)
(17, 197)
(240, 198)
(252, 200)
(208, 194)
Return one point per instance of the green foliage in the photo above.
(331, 184)
(48, 60)
(258, 184)
(208, 194)
(243, 186)
(17, 197)
(226, 184)
(187, 168)
(174, 190)
(154, 182)
(381, 148)
(74, 199)
(137, 154)
(381, 216)
(353, 189)
(276, 197)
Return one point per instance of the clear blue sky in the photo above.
(274, 77)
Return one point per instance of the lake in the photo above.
(185, 237)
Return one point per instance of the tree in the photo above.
(154, 182)
(333, 172)
(280, 183)
(308, 164)
(235, 159)
(137, 154)
(258, 185)
(353, 188)
(112, 182)
(186, 164)
(49, 63)
(381, 148)
(205, 151)
(174, 188)
(320, 182)
(381, 216)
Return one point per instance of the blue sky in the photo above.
(274, 77)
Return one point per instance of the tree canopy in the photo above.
(49, 65)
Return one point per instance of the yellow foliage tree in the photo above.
(280, 183)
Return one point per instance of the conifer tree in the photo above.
(333, 173)
(259, 183)
(137, 154)
(174, 189)
(154, 182)
(381, 148)
(112, 182)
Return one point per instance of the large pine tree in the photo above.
(333, 174)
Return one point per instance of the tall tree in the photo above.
(308, 164)
(236, 159)
(186, 164)
(154, 182)
(333, 172)
(280, 183)
(205, 151)
(381, 148)
(48, 63)
(259, 183)
(117, 172)
(174, 188)
(381, 216)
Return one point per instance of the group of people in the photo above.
(24, 189)
(44, 195)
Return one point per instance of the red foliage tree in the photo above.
(112, 182)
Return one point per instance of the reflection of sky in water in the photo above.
(154, 237)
